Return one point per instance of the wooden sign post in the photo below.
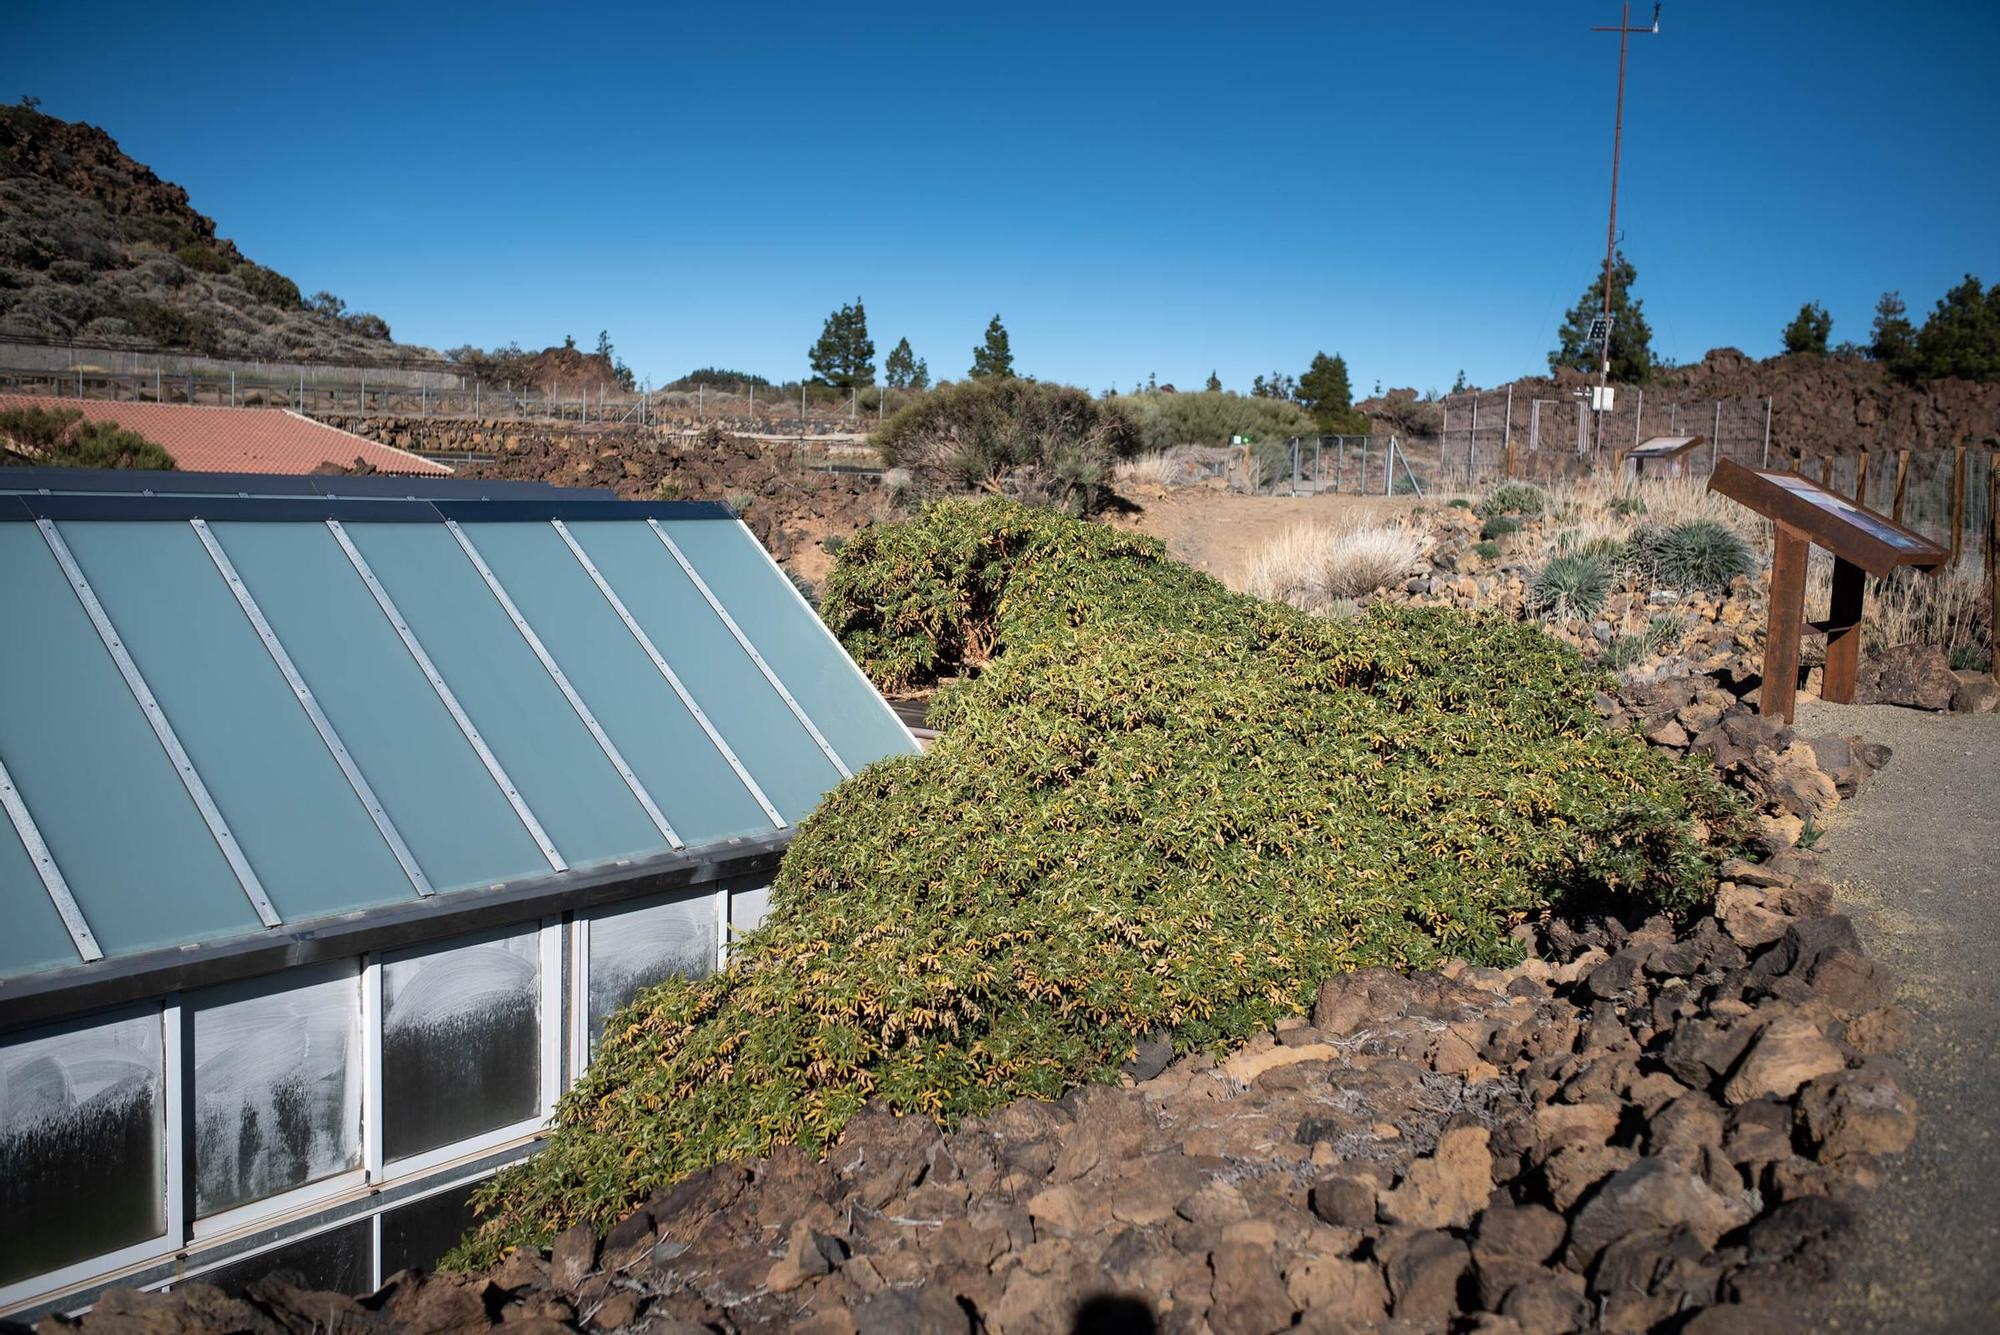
(1862, 542)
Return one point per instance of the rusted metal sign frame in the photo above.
(1806, 513)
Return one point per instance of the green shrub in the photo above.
(1697, 554)
(57, 438)
(1162, 807)
(1572, 586)
(1459, 503)
(1968, 658)
(1212, 418)
(1628, 503)
(1044, 444)
(270, 286)
(202, 258)
(1514, 498)
(1500, 526)
(1489, 550)
(1627, 650)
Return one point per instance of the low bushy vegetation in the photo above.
(1514, 498)
(59, 438)
(1499, 526)
(1213, 418)
(1039, 443)
(1698, 554)
(1161, 808)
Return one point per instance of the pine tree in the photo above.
(1326, 392)
(1809, 330)
(1894, 341)
(844, 357)
(1214, 385)
(1631, 338)
(604, 344)
(1961, 337)
(921, 377)
(1458, 386)
(1257, 388)
(901, 366)
(993, 359)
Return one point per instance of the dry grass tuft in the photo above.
(1162, 468)
(1315, 566)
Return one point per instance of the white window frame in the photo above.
(307, 1196)
(579, 973)
(51, 1283)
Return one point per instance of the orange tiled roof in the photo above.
(239, 440)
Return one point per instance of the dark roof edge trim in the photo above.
(359, 510)
(65, 993)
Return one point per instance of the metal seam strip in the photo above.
(770, 674)
(666, 669)
(211, 815)
(548, 662)
(321, 724)
(445, 695)
(45, 866)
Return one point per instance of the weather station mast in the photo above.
(1600, 333)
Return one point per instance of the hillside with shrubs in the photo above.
(97, 248)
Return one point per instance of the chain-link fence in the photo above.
(1510, 432)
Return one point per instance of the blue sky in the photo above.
(1158, 188)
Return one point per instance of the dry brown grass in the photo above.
(1315, 566)
(1950, 609)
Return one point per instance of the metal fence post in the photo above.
(1472, 443)
(1506, 425)
(1767, 433)
(1715, 438)
(1444, 434)
(1638, 418)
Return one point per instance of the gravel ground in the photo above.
(1917, 859)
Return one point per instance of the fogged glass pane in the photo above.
(564, 775)
(679, 766)
(81, 1133)
(461, 1043)
(447, 807)
(744, 707)
(748, 908)
(414, 1236)
(813, 667)
(335, 1261)
(277, 1090)
(298, 820)
(633, 949)
(128, 838)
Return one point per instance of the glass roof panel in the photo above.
(128, 838)
(448, 809)
(305, 832)
(35, 938)
(840, 701)
(541, 743)
(744, 707)
(687, 777)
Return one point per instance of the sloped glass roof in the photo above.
(225, 712)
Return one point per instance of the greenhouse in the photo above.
(339, 814)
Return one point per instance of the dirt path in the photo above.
(1917, 856)
(1220, 532)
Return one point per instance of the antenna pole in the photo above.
(1624, 31)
